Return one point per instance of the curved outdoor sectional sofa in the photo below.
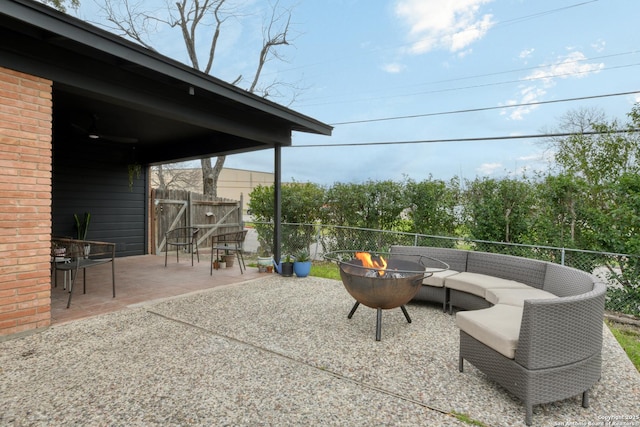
(532, 326)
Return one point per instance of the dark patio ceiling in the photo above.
(133, 96)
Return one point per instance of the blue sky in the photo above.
(361, 60)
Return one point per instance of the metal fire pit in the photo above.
(377, 288)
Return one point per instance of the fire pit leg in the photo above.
(379, 318)
(406, 314)
(353, 310)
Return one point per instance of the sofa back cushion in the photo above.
(528, 271)
(566, 281)
(562, 331)
(456, 259)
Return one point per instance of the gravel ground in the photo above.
(274, 351)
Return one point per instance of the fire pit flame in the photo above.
(369, 262)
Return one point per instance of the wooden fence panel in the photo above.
(181, 208)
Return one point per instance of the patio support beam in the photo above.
(277, 202)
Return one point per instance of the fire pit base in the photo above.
(380, 283)
(379, 318)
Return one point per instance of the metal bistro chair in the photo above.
(71, 255)
(185, 238)
(232, 241)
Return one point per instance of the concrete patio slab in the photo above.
(273, 351)
(139, 279)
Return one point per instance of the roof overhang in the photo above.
(172, 111)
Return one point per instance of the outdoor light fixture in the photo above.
(93, 130)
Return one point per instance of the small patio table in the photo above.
(231, 241)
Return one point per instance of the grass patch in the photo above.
(629, 339)
(465, 419)
(325, 269)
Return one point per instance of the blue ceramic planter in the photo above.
(302, 268)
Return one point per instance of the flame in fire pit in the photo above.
(368, 262)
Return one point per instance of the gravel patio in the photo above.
(273, 351)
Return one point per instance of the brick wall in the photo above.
(25, 202)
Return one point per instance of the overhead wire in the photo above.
(473, 139)
(506, 82)
(472, 110)
(461, 111)
(517, 70)
(498, 24)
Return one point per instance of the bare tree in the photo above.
(161, 184)
(176, 176)
(577, 121)
(61, 5)
(137, 22)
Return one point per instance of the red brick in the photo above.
(8, 327)
(25, 201)
(18, 314)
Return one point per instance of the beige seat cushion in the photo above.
(497, 327)
(477, 284)
(516, 296)
(437, 278)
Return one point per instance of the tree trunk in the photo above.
(161, 184)
(507, 228)
(210, 175)
(573, 221)
(208, 187)
(216, 173)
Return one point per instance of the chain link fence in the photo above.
(621, 272)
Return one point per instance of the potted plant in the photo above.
(264, 260)
(82, 226)
(286, 266)
(302, 264)
(228, 257)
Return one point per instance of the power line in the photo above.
(505, 82)
(475, 139)
(473, 110)
(517, 70)
(544, 13)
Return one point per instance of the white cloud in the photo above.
(531, 157)
(437, 24)
(573, 65)
(599, 45)
(525, 54)
(393, 68)
(488, 168)
(464, 53)
(526, 95)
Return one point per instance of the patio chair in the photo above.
(71, 255)
(232, 241)
(183, 238)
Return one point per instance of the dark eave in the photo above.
(174, 111)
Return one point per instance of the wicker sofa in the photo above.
(532, 326)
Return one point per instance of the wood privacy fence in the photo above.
(181, 208)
